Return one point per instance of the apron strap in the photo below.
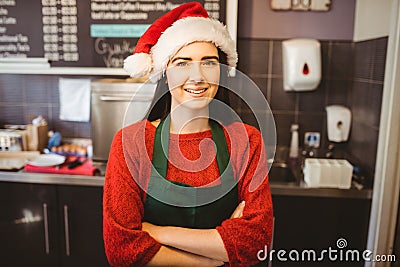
(161, 146)
(219, 139)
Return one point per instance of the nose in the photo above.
(195, 72)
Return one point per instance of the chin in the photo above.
(197, 103)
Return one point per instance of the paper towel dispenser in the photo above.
(301, 64)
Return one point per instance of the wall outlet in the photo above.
(312, 139)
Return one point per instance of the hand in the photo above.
(239, 210)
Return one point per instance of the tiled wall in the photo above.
(365, 100)
(352, 76)
(23, 97)
(261, 60)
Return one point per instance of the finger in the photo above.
(241, 208)
(238, 211)
(235, 214)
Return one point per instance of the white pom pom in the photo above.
(138, 65)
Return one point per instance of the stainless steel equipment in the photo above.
(115, 104)
(11, 141)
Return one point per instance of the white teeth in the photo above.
(196, 91)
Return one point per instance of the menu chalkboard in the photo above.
(84, 33)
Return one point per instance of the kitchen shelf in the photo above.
(50, 178)
(66, 71)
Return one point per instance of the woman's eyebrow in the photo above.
(210, 57)
(180, 58)
(189, 58)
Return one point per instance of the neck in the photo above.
(189, 121)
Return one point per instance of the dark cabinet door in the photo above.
(28, 225)
(81, 233)
(315, 224)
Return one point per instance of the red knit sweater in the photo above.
(128, 171)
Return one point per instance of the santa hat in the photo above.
(181, 26)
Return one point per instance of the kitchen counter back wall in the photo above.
(23, 97)
(365, 101)
(352, 75)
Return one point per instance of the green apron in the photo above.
(177, 204)
(185, 208)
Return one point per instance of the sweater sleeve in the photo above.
(125, 243)
(244, 237)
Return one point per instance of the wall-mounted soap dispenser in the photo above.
(301, 64)
(339, 121)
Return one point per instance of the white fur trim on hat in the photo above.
(189, 30)
(138, 65)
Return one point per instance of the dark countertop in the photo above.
(301, 189)
(295, 189)
(47, 178)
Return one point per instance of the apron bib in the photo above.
(177, 204)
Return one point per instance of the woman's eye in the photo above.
(210, 63)
(181, 64)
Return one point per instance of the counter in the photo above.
(302, 190)
(298, 189)
(47, 178)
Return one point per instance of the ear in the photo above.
(166, 78)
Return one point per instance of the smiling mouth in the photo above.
(196, 92)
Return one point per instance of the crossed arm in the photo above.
(189, 247)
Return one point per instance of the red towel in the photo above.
(85, 169)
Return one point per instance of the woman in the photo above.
(172, 197)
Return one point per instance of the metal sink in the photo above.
(281, 173)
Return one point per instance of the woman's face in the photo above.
(193, 75)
